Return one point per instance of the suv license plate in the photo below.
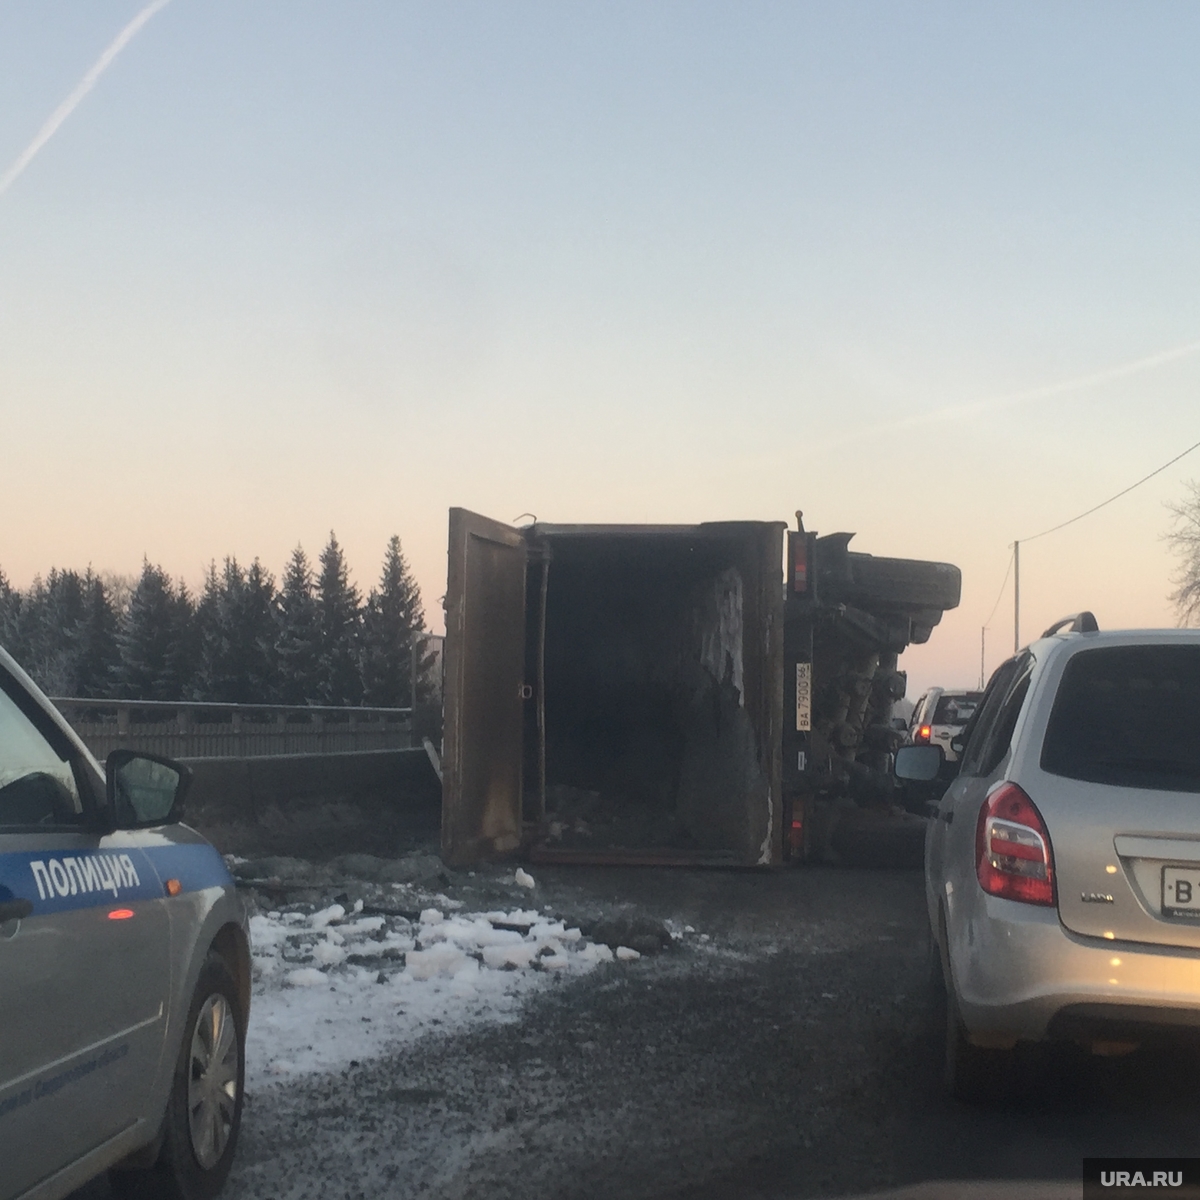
(1180, 892)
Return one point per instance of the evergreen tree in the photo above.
(27, 642)
(25, 633)
(96, 653)
(256, 621)
(297, 637)
(181, 662)
(10, 612)
(392, 619)
(207, 632)
(68, 634)
(338, 612)
(235, 622)
(49, 626)
(157, 639)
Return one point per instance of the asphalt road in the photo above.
(797, 1055)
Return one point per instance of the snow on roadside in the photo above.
(332, 987)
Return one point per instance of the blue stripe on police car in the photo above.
(62, 880)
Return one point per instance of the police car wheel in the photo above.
(200, 1129)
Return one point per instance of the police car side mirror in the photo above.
(144, 789)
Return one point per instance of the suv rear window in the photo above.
(956, 710)
(1130, 716)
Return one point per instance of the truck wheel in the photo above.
(204, 1112)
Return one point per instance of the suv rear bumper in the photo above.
(1024, 975)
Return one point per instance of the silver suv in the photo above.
(1062, 864)
(124, 970)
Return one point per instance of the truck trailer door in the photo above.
(485, 689)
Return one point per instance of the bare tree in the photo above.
(1184, 540)
(120, 589)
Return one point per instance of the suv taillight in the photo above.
(1012, 848)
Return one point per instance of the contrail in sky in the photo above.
(970, 408)
(85, 85)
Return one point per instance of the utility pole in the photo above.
(1016, 596)
(414, 657)
(982, 637)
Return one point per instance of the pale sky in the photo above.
(294, 266)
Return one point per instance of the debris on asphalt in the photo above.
(360, 954)
(640, 933)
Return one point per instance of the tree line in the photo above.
(243, 639)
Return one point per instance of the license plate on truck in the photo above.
(1181, 891)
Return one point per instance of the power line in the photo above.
(1000, 594)
(1103, 503)
(1015, 560)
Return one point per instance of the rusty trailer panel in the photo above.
(647, 725)
(483, 709)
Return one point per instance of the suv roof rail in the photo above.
(1080, 622)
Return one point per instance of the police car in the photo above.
(124, 970)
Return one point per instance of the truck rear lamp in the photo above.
(799, 562)
(1013, 858)
(924, 733)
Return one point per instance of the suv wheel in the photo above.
(973, 1074)
(204, 1112)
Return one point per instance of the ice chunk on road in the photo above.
(305, 977)
(328, 954)
(627, 953)
(470, 934)
(443, 958)
(309, 1014)
(525, 879)
(501, 958)
(327, 916)
(363, 925)
(518, 916)
(497, 937)
(552, 930)
(266, 933)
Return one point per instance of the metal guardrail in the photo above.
(209, 730)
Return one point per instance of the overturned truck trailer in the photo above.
(668, 693)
